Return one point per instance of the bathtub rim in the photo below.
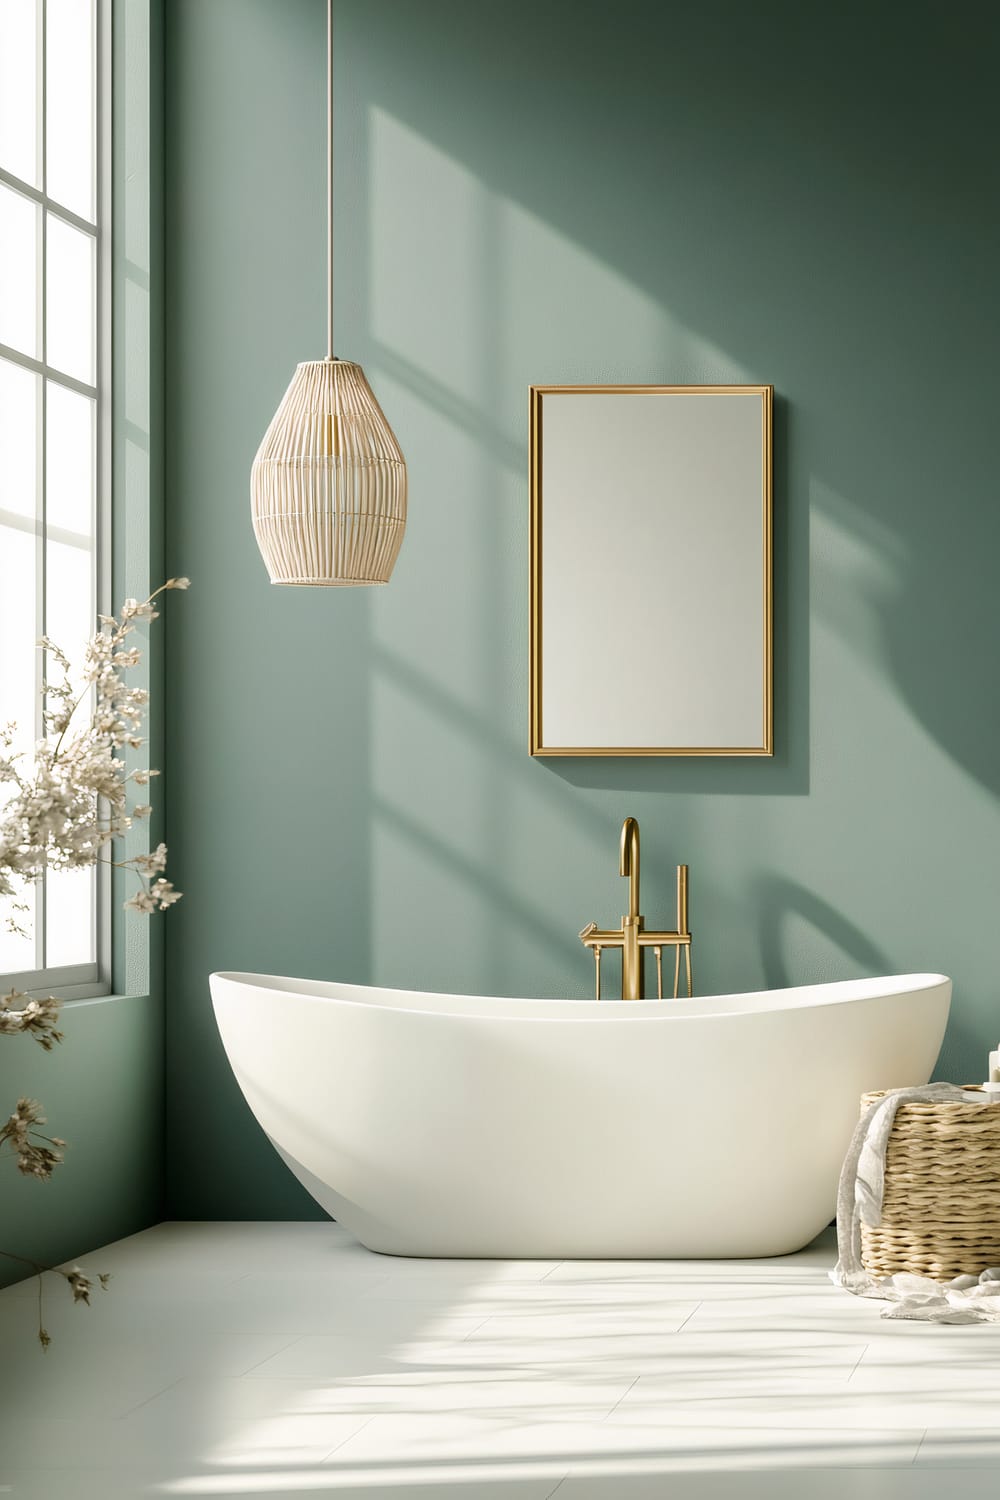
(823, 996)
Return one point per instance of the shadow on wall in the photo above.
(782, 906)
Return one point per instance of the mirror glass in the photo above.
(651, 570)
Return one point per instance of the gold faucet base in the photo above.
(631, 937)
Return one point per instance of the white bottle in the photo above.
(988, 1092)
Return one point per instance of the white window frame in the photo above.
(76, 981)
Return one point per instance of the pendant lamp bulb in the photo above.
(328, 484)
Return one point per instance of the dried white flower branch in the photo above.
(37, 1018)
(78, 1281)
(33, 1159)
(62, 814)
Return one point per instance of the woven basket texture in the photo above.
(941, 1206)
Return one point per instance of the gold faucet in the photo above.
(631, 937)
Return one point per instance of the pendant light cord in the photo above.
(329, 179)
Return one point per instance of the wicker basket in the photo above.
(941, 1206)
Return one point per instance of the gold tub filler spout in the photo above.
(631, 937)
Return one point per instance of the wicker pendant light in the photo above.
(328, 484)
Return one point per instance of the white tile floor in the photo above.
(283, 1360)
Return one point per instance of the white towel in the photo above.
(966, 1299)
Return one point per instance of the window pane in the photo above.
(69, 476)
(20, 392)
(18, 633)
(18, 954)
(69, 104)
(19, 233)
(70, 926)
(70, 304)
(69, 602)
(19, 151)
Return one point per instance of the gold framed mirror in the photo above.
(651, 570)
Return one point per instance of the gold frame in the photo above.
(536, 742)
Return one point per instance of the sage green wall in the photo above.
(559, 191)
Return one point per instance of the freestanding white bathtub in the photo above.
(447, 1125)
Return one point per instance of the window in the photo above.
(54, 413)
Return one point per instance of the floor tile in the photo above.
(771, 1484)
(461, 1435)
(488, 1272)
(963, 1448)
(94, 1373)
(229, 1422)
(578, 1324)
(554, 1339)
(542, 1440)
(499, 1293)
(447, 1482)
(278, 1484)
(586, 1396)
(237, 1247)
(816, 1405)
(930, 1358)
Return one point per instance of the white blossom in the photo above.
(164, 892)
(132, 610)
(152, 864)
(141, 902)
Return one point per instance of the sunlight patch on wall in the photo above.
(428, 240)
